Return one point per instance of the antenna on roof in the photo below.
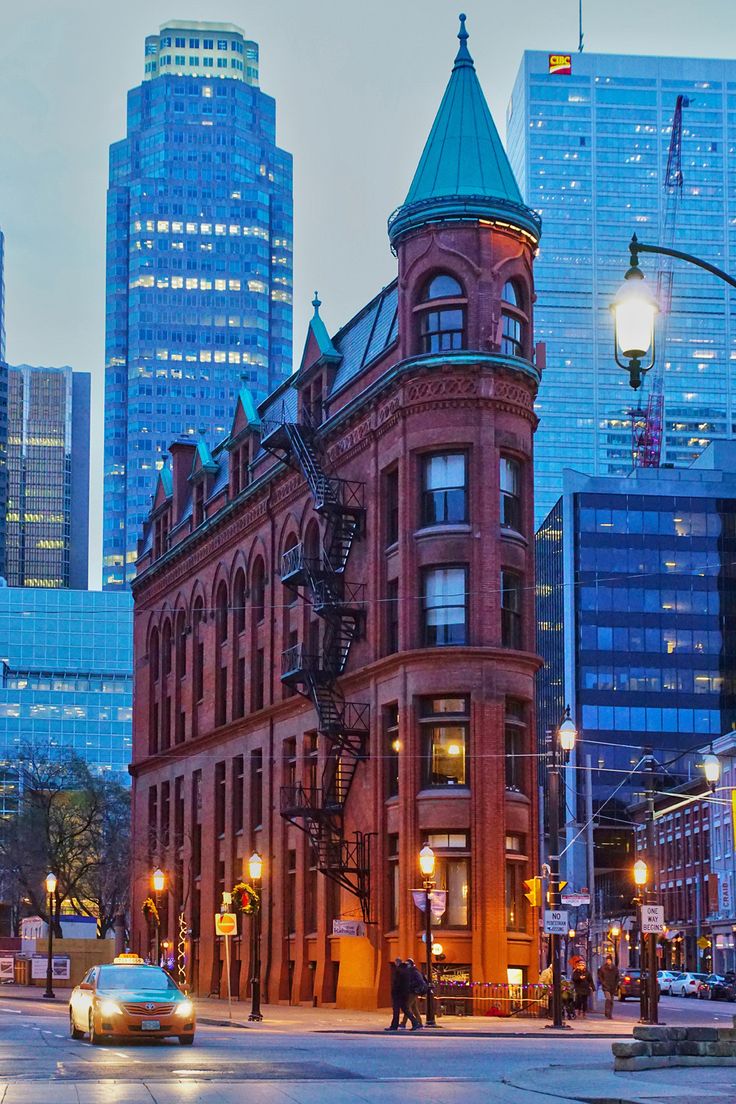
(580, 25)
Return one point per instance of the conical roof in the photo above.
(464, 171)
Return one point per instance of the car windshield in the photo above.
(135, 977)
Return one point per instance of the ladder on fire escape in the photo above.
(315, 673)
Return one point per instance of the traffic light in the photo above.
(533, 894)
(550, 892)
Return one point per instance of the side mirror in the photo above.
(86, 985)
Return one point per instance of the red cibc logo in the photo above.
(560, 64)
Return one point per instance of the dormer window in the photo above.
(513, 320)
(442, 315)
(198, 509)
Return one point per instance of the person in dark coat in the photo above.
(417, 988)
(608, 979)
(583, 986)
(400, 995)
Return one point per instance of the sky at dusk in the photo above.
(356, 87)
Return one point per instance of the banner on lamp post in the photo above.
(437, 901)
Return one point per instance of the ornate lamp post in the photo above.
(634, 309)
(255, 871)
(159, 884)
(615, 936)
(426, 866)
(563, 741)
(50, 891)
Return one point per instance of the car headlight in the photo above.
(110, 1008)
(184, 1008)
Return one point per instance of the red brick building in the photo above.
(334, 617)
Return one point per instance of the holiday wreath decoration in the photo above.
(149, 910)
(245, 898)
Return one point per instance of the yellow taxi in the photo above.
(128, 999)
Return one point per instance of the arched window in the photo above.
(221, 613)
(181, 644)
(166, 649)
(513, 320)
(258, 591)
(153, 655)
(442, 315)
(198, 663)
(239, 601)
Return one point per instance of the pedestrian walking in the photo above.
(583, 985)
(417, 988)
(608, 979)
(400, 993)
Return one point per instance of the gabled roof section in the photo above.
(318, 347)
(464, 170)
(164, 487)
(246, 414)
(203, 460)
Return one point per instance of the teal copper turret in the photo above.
(464, 173)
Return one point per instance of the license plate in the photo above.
(150, 1025)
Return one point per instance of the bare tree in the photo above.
(75, 824)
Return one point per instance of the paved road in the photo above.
(40, 1064)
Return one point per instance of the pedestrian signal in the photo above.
(533, 891)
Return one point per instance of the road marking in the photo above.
(13, 1011)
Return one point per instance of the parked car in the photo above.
(665, 979)
(687, 984)
(715, 987)
(629, 984)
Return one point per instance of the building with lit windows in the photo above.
(47, 515)
(199, 262)
(66, 681)
(334, 620)
(3, 406)
(589, 150)
(636, 623)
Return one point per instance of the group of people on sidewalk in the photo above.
(577, 991)
(408, 984)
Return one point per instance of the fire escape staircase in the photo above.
(320, 810)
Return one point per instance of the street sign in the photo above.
(555, 922)
(652, 918)
(575, 900)
(226, 923)
(703, 943)
(348, 927)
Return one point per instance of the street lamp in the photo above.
(426, 866)
(255, 870)
(563, 741)
(712, 768)
(641, 873)
(615, 934)
(159, 884)
(649, 991)
(634, 309)
(50, 891)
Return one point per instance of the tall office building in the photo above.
(199, 262)
(636, 623)
(589, 148)
(47, 515)
(66, 682)
(2, 296)
(3, 407)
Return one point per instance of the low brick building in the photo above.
(334, 618)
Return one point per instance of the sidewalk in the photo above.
(598, 1084)
(295, 1018)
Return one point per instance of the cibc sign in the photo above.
(560, 65)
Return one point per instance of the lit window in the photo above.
(444, 724)
(444, 490)
(444, 606)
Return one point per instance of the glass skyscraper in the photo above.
(47, 516)
(636, 623)
(67, 679)
(199, 263)
(589, 149)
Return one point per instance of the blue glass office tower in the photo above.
(199, 263)
(3, 408)
(67, 679)
(589, 150)
(636, 623)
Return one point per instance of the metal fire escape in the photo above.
(646, 425)
(315, 672)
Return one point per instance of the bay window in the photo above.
(445, 609)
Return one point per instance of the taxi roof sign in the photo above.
(128, 960)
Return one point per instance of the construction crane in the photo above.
(646, 425)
